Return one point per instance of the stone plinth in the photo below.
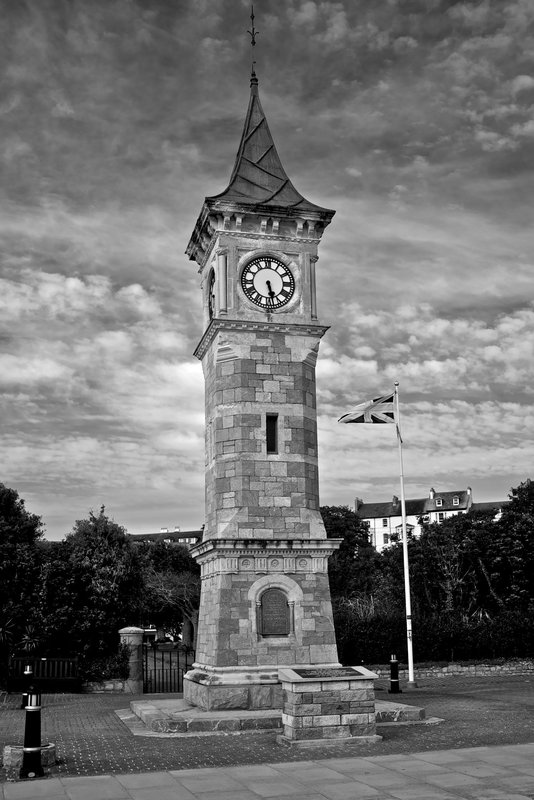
(13, 756)
(218, 690)
(328, 706)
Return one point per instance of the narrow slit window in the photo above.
(271, 429)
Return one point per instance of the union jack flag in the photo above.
(379, 410)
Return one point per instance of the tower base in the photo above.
(219, 689)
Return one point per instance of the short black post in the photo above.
(28, 676)
(31, 755)
(394, 687)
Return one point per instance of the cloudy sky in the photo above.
(414, 119)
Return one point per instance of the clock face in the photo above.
(267, 282)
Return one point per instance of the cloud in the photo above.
(522, 83)
(524, 129)
(430, 354)
(119, 118)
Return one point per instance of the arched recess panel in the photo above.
(274, 613)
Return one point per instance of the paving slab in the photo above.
(485, 773)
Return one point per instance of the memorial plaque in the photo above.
(274, 613)
(326, 672)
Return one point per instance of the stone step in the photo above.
(388, 712)
(177, 716)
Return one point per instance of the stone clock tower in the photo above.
(265, 599)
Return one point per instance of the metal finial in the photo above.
(253, 33)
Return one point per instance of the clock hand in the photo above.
(271, 291)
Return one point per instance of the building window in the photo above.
(439, 501)
(441, 516)
(271, 431)
(385, 522)
(386, 538)
(456, 501)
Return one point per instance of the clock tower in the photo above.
(265, 599)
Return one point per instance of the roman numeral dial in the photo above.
(267, 282)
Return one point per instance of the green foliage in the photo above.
(20, 533)
(72, 597)
(90, 587)
(350, 567)
(171, 598)
(112, 666)
(472, 588)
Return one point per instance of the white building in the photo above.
(385, 519)
(176, 536)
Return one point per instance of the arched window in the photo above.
(274, 617)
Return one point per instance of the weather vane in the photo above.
(253, 33)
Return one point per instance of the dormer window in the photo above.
(456, 501)
(439, 501)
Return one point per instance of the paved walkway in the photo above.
(476, 773)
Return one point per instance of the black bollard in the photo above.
(394, 687)
(31, 754)
(28, 675)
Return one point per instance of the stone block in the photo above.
(307, 733)
(326, 719)
(302, 709)
(335, 708)
(260, 723)
(362, 730)
(277, 695)
(202, 725)
(353, 695)
(334, 686)
(355, 719)
(261, 696)
(336, 732)
(358, 708)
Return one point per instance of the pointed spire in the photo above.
(258, 177)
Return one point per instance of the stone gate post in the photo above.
(133, 637)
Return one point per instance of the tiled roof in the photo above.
(418, 507)
(492, 505)
(258, 177)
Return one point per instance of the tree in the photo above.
(171, 594)
(522, 499)
(20, 533)
(90, 588)
(351, 568)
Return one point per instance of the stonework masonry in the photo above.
(263, 525)
(249, 492)
(328, 708)
(265, 599)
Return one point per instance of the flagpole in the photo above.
(407, 599)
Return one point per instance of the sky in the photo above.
(414, 119)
